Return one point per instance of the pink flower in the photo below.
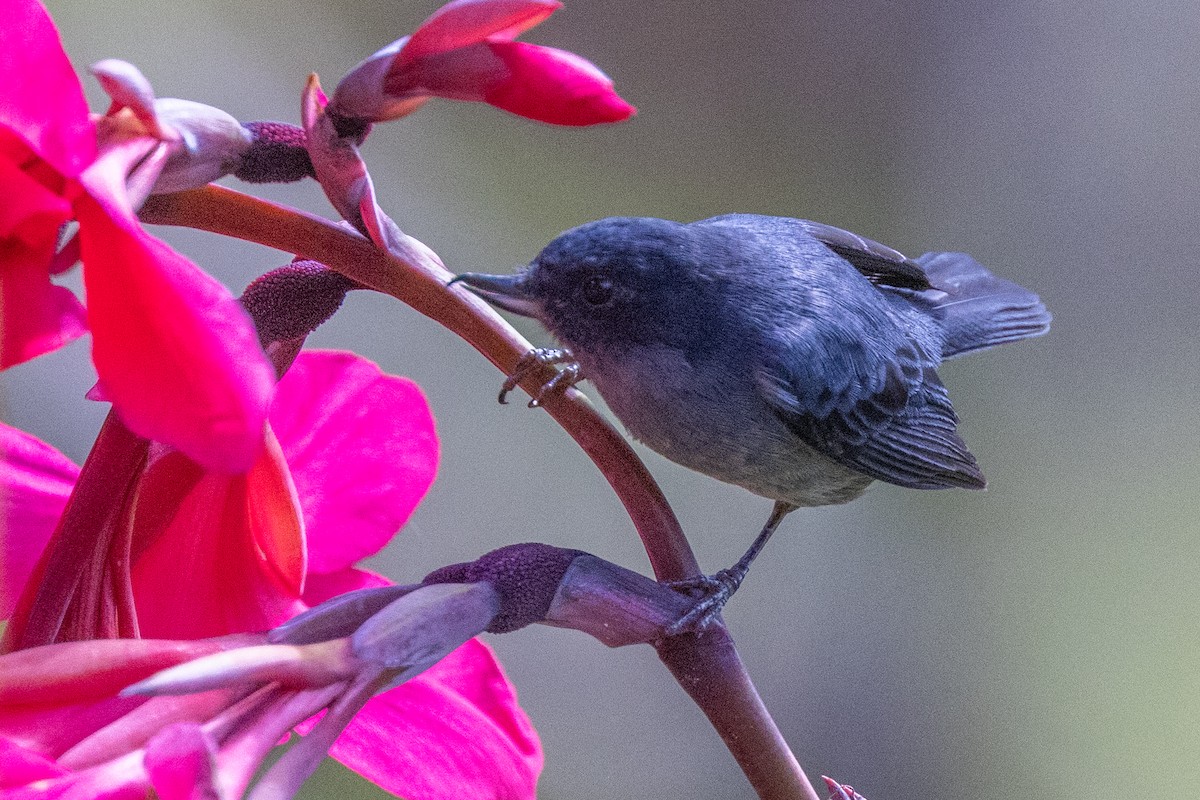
(175, 353)
(352, 453)
(356, 453)
(454, 731)
(466, 51)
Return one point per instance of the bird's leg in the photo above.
(717, 588)
(564, 379)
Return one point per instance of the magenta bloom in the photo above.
(350, 454)
(356, 453)
(174, 351)
(466, 51)
(453, 732)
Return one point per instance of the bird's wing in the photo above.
(879, 263)
(881, 411)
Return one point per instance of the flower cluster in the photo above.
(238, 480)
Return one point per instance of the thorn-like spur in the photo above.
(564, 379)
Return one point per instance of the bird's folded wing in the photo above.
(887, 415)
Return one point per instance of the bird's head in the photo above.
(612, 284)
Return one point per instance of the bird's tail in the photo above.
(980, 310)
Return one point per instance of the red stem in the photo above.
(60, 602)
(232, 213)
(707, 666)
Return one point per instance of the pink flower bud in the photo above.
(465, 51)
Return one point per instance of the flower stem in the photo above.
(77, 591)
(232, 213)
(706, 665)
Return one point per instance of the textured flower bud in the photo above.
(292, 301)
(278, 154)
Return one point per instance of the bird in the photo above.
(790, 357)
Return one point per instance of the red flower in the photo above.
(465, 51)
(214, 554)
(174, 351)
(356, 451)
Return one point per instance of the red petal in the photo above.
(35, 481)
(461, 74)
(554, 86)
(34, 206)
(35, 315)
(464, 22)
(362, 450)
(78, 672)
(181, 763)
(273, 510)
(176, 353)
(320, 587)
(216, 565)
(19, 766)
(41, 99)
(455, 731)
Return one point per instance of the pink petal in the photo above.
(35, 481)
(455, 731)
(464, 73)
(322, 586)
(34, 206)
(464, 22)
(41, 100)
(19, 766)
(52, 731)
(84, 671)
(554, 86)
(362, 449)
(273, 510)
(123, 779)
(35, 316)
(222, 558)
(180, 762)
(176, 353)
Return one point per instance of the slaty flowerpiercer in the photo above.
(786, 356)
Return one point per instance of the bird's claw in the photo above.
(712, 592)
(563, 379)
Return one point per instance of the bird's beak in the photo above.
(503, 291)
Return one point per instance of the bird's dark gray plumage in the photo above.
(789, 357)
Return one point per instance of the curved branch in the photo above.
(706, 665)
(232, 213)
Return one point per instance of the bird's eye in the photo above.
(597, 290)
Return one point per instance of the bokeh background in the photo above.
(1039, 639)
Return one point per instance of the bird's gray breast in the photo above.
(710, 416)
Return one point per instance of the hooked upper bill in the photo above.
(503, 291)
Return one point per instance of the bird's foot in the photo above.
(712, 592)
(564, 379)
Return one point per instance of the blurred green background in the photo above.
(1039, 639)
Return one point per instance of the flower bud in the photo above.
(205, 143)
(213, 143)
(465, 51)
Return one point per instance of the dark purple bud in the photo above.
(291, 302)
(526, 576)
(278, 153)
